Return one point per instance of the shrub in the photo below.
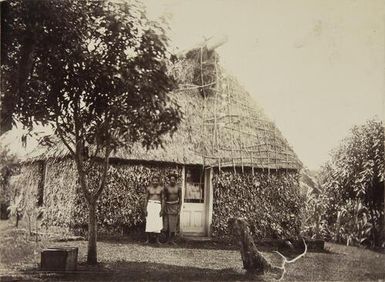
(353, 187)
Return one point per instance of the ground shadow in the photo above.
(138, 271)
(220, 245)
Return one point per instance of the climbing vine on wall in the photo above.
(271, 204)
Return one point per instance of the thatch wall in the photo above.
(120, 207)
(271, 203)
(60, 188)
(26, 193)
(64, 210)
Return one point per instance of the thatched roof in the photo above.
(222, 124)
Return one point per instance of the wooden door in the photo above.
(193, 214)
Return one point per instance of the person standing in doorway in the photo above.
(172, 207)
(154, 209)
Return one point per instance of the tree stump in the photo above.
(253, 261)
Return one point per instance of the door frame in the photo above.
(208, 182)
(208, 191)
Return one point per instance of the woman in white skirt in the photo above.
(154, 209)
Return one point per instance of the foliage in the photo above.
(352, 184)
(313, 226)
(96, 72)
(271, 203)
(8, 167)
(109, 72)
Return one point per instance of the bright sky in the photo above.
(316, 66)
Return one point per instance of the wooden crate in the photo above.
(59, 259)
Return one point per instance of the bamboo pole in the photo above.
(287, 160)
(242, 163)
(267, 153)
(193, 87)
(204, 101)
(201, 59)
(215, 157)
(275, 145)
(235, 170)
(215, 141)
(252, 165)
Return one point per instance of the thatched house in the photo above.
(230, 158)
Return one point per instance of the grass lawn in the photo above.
(124, 260)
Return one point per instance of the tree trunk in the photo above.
(92, 254)
(317, 223)
(17, 218)
(253, 260)
(338, 227)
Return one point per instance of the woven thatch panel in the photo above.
(232, 127)
(181, 147)
(25, 192)
(222, 124)
(59, 193)
(120, 206)
(221, 127)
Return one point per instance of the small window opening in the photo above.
(194, 188)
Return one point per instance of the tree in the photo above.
(353, 186)
(97, 73)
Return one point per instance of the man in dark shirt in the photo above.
(172, 206)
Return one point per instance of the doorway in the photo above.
(197, 206)
(194, 212)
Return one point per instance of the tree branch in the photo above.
(285, 261)
(79, 155)
(104, 175)
(61, 135)
(106, 158)
(95, 155)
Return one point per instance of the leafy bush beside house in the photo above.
(8, 167)
(314, 225)
(352, 188)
